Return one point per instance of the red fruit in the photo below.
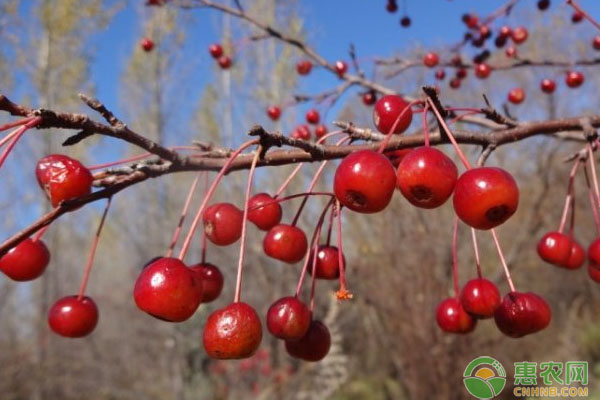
(516, 96)
(574, 79)
(369, 98)
(455, 83)
(576, 17)
(510, 51)
(387, 110)
(320, 131)
(328, 263)
(26, 261)
(73, 317)
(302, 132)
(594, 252)
(484, 31)
(312, 116)
(168, 290)
(555, 248)
(451, 317)
(396, 156)
(223, 223)
(224, 62)
(63, 178)
(341, 68)
(548, 86)
(274, 112)
(232, 332)
(485, 197)
(304, 67)
(594, 272)
(364, 181)
(456, 60)
(314, 346)
(470, 20)
(482, 70)
(405, 21)
(263, 211)
(519, 34)
(212, 281)
(431, 60)
(543, 4)
(504, 31)
(520, 314)
(288, 319)
(147, 44)
(596, 42)
(576, 258)
(461, 73)
(480, 298)
(215, 50)
(426, 177)
(440, 74)
(286, 243)
(391, 6)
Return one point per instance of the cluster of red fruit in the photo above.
(216, 51)
(392, 7)
(302, 131)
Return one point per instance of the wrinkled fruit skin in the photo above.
(264, 217)
(232, 332)
(365, 181)
(72, 317)
(212, 281)
(25, 262)
(521, 314)
(480, 298)
(168, 290)
(314, 346)
(426, 177)
(328, 263)
(288, 319)
(555, 248)
(386, 112)
(63, 178)
(485, 197)
(451, 317)
(286, 243)
(223, 223)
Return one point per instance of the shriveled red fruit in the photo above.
(223, 223)
(73, 317)
(576, 258)
(405, 21)
(320, 131)
(341, 68)
(63, 178)
(211, 280)
(224, 62)
(263, 211)
(440, 74)
(147, 44)
(328, 263)
(364, 181)
(387, 110)
(594, 272)
(314, 346)
(431, 59)
(596, 42)
(304, 67)
(480, 298)
(555, 248)
(548, 86)
(519, 34)
(451, 317)
(369, 98)
(426, 177)
(288, 319)
(312, 116)
(26, 261)
(574, 79)
(168, 290)
(521, 314)
(232, 332)
(594, 252)
(274, 112)
(482, 70)
(302, 132)
(516, 96)
(215, 50)
(286, 243)
(485, 197)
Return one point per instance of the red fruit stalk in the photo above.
(455, 257)
(594, 176)
(592, 198)
(503, 261)
(581, 11)
(569, 197)
(10, 125)
(476, 250)
(342, 293)
(426, 125)
(16, 135)
(184, 212)
(439, 117)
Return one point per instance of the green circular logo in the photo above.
(484, 377)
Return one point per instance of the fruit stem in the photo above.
(211, 190)
(592, 199)
(14, 124)
(90, 261)
(426, 125)
(136, 158)
(503, 261)
(594, 176)
(569, 197)
(343, 293)
(476, 249)
(455, 257)
(184, 212)
(8, 137)
(587, 16)
(313, 281)
(389, 135)
(450, 135)
(16, 135)
(291, 197)
(238, 284)
(330, 228)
